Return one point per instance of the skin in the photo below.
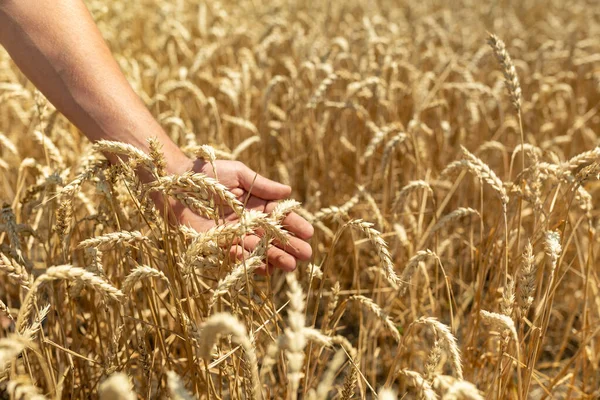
(57, 45)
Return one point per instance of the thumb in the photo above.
(260, 186)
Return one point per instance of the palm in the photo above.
(257, 193)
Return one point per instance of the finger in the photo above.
(297, 248)
(265, 270)
(275, 256)
(260, 186)
(294, 223)
(237, 252)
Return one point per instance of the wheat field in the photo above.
(446, 155)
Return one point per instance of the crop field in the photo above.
(446, 154)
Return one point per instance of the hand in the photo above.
(257, 193)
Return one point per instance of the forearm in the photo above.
(59, 48)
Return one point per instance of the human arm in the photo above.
(59, 48)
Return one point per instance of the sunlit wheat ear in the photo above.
(379, 313)
(108, 240)
(4, 310)
(449, 341)
(463, 390)
(227, 324)
(283, 208)
(6, 143)
(379, 134)
(329, 376)
(377, 215)
(454, 389)
(68, 273)
(157, 156)
(7, 216)
(240, 270)
(484, 172)
(581, 159)
(32, 330)
(409, 188)
(588, 173)
(411, 267)
(270, 358)
(500, 321)
(508, 299)
(244, 145)
(21, 388)
(319, 337)
(337, 211)
(14, 271)
(10, 348)
(207, 153)
(527, 280)
(459, 213)
(53, 151)
(176, 387)
(199, 187)
(224, 234)
(333, 301)
(240, 123)
(63, 219)
(117, 386)
(381, 246)
(135, 156)
(294, 336)
(350, 381)
(419, 383)
(314, 271)
(584, 200)
(552, 247)
(529, 148)
(389, 147)
(138, 274)
(433, 360)
(508, 69)
(74, 186)
(321, 89)
(387, 394)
